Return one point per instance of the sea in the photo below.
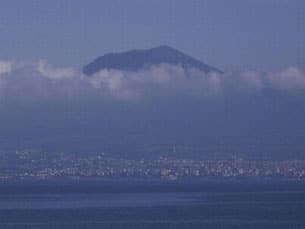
(211, 203)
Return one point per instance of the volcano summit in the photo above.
(135, 60)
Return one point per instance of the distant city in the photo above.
(35, 164)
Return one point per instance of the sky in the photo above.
(231, 35)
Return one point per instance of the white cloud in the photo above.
(215, 81)
(288, 79)
(252, 80)
(45, 69)
(41, 80)
(5, 67)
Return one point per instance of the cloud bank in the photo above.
(41, 80)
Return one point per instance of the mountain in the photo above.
(137, 59)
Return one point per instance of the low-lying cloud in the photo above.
(5, 67)
(40, 80)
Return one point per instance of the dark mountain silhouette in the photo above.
(137, 59)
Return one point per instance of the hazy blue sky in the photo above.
(235, 34)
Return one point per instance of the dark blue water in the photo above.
(152, 204)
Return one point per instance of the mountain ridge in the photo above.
(137, 59)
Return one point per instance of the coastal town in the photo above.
(42, 165)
